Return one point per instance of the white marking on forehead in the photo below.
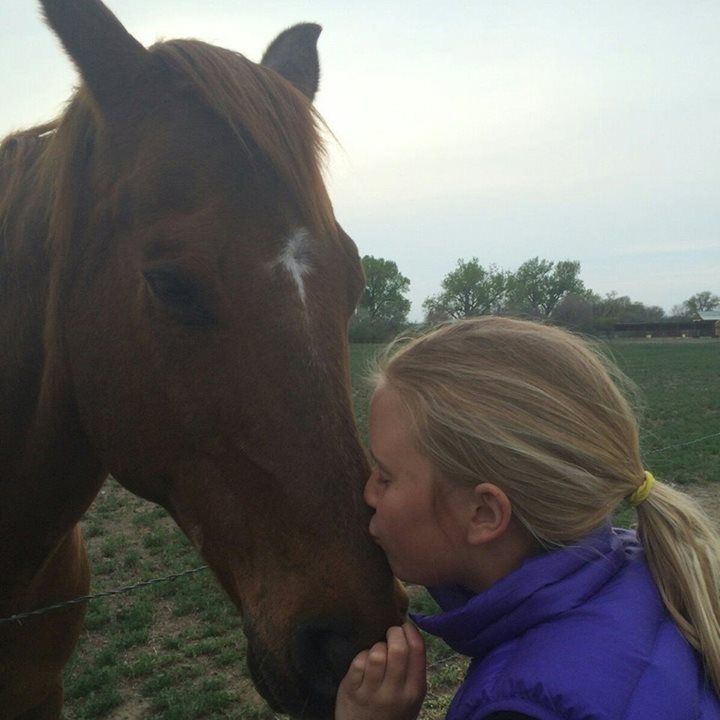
(294, 258)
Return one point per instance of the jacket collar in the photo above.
(542, 588)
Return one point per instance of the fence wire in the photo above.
(683, 444)
(86, 598)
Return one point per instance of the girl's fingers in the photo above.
(387, 681)
(397, 659)
(356, 672)
(415, 676)
(375, 666)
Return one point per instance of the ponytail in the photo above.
(683, 553)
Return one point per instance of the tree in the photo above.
(383, 298)
(575, 312)
(700, 302)
(614, 308)
(468, 290)
(382, 310)
(538, 285)
(680, 311)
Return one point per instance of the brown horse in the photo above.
(175, 293)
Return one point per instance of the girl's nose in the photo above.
(370, 492)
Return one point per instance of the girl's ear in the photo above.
(491, 514)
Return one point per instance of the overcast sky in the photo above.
(503, 130)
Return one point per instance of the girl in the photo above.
(502, 449)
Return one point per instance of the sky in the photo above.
(577, 130)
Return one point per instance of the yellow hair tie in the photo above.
(643, 490)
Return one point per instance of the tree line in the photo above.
(539, 288)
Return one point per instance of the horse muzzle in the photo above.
(319, 655)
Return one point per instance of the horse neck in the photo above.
(48, 473)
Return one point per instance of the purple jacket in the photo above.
(578, 633)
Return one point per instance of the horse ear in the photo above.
(109, 59)
(293, 54)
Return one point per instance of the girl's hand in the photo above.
(386, 682)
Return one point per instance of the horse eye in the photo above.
(180, 295)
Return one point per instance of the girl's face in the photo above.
(420, 533)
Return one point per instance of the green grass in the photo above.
(680, 403)
(175, 651)
(169, 651)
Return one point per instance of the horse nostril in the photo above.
(323, 653)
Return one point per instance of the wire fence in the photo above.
(683, 444)
(19, 617)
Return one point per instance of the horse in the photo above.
(175, 294)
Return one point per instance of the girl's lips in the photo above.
(371, 529)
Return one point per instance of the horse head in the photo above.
(199, 302)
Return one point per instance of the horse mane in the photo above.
(41, 169)
(255, 101)
(20, 155)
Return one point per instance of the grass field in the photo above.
(174, 651)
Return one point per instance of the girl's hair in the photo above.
(538, 412)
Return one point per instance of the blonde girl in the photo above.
(502, 450)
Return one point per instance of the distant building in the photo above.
(707, 315)
(702, 324)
